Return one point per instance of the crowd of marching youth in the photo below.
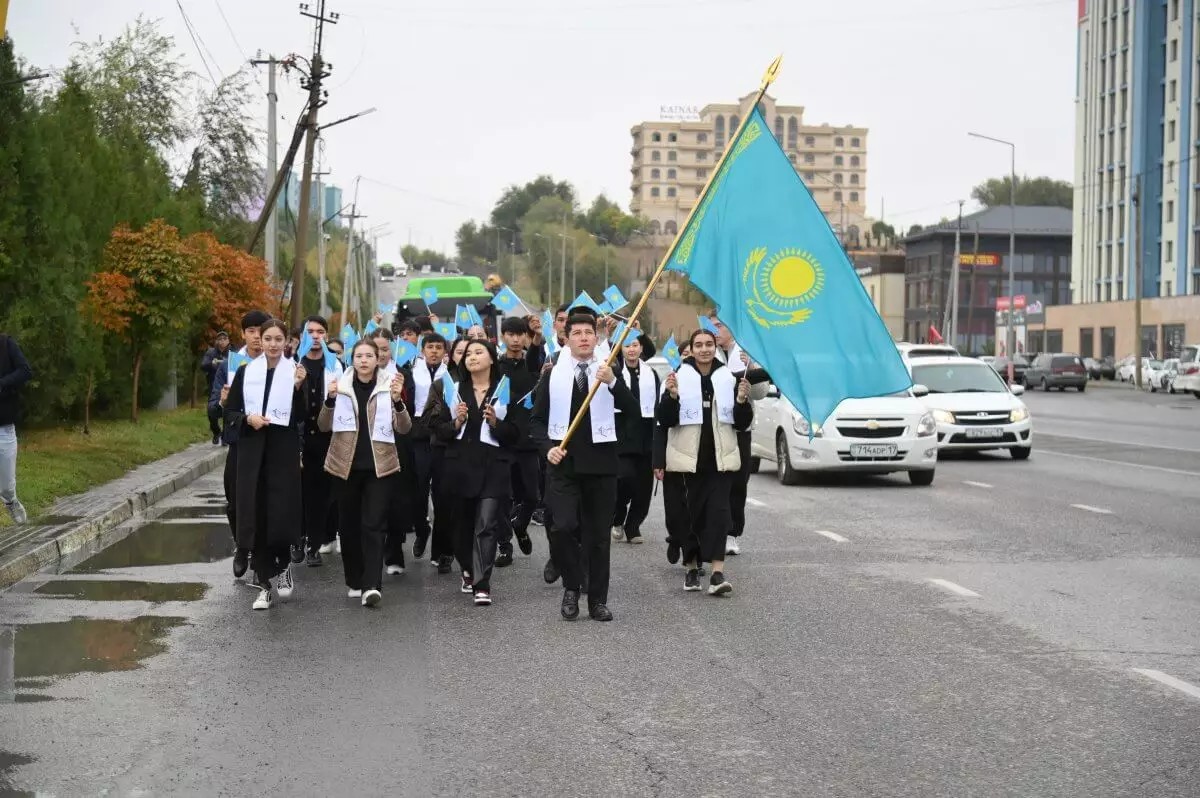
(339, 445)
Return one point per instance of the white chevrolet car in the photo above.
(871, 436)
(973, 406)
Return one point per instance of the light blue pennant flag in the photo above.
(507, 300)
(671, 353)
(760, 247)
(306, 343)
(447, 331)
(235, 361)
(502, 394)
(462, 317)
(707, 324)
(385, 307)
(347, 331)
(403, 352)
(552, 346)
(614, 298)
(330, 359)
(527, 401)
(622, 334)
(370, 328)
(429, 295)
(501, 347)
(450, 391)
(547, 324)
(585, 300)
(476, 319)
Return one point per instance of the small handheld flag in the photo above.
(552, 346)
(501, 347)
(403, 352)
(306, 345)
(585, 300)
(476, 319)
(347, 331)
(507, 300)
(502, 394)
(429, 295)
(385, 307)
(462, 317)
(615, 299)
(671, 353)
(330, 359)
(446, 330)
(371, 327)
(707, 324)
(622, 334)
(547, 323)
(236, 361)
(527, 402)
(450, 390)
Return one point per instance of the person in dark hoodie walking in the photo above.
(15, 371)
(526, 472)
(212, 359)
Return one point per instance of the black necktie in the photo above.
(581, 377)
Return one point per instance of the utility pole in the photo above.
(562, 275)
(350, 272)
(272, 167)
(322, 283)
(1137, 283)
(316, 75)
(971, 293)
(950, 324)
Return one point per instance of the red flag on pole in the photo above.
(934, 335)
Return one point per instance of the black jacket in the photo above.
(583, 456)
(15, 371)
(478, 470)
(208, 364)
(521, 382)
(635, 435)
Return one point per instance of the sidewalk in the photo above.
(74, 521)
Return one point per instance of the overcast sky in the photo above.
(474, 95)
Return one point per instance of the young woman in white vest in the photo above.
(365, 411)
(479, 466)
(266, 406)
(703, 407)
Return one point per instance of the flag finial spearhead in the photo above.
(772, 71)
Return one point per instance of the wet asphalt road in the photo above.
(835, 668)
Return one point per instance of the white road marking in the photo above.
(1121, 463)
(977, 484)
(755, 502)
(959, 590)
(1089, 508)
(1170, 681)
(835, 537)
(1120, 443)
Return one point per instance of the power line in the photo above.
(191, 32)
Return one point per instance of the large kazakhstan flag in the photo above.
(761, 249)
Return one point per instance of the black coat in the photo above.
(522, 381)
(269, 459)
(477, 470)
(15, 371)
(635, 435)
(583, 456)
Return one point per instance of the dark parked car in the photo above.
(1059, 370)
(1000, 364)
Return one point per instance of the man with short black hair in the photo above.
(316, 486)
(409, 331)
(15, 371)
(581, 481)
(214, 357)
(526, 474)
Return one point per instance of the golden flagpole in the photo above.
(767, 80)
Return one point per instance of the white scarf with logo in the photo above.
(279, 403)
(602, 410)
(422, 382)
(646, 394)
(691, 402)
(345, 408)
(485, 429)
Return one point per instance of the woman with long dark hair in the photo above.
(365, 411)
(702, 409)
(266, 406)
(479, 465)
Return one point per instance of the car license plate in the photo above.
(1070, 373)
(985, 432)
(872, 450)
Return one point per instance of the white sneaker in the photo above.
(731, 546)
(17, 511)
(353, 594)
(263, 602)
(395, 570)
(326, 549)
(371, 598)
(618, 533)
(337, 545)
(285, 585)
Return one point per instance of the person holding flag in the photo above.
(581, 482)
(218, 397)
(676, 517)
(703, 405)
(364, 411)
(526, 474)
(321, 367)
(635, 441)
(429, 411)
(266, 406)
(479, 463)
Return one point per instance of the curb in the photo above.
(77, 536)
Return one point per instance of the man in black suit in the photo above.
(581, 479)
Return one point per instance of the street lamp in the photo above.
(549, 268)
(606, 244)
(507, 230)
(574, 265)
(1011, 342)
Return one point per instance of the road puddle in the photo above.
(8, 763)
(193, 512)
(164, 544)
(36, 651)
(124, 590)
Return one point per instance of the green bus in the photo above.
(453, 290)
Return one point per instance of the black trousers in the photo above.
(317, 495)
(527, 492)
(741, 481)
(675, 508)
(578, 510)
(478, 536)
(215, 414)
(268, 560)
(426, 476)
(400, 517)
(635, 485)
(708, 504)
(230, 479)
(363, 502)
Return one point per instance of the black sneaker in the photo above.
(525, 543)
(504, 559)
(701, 570)
(691, 583)
(297, 554)
(444, 565)
(718, 585)
(313, 559)
(241, 561)
(217, 439)
(550, 572)
(539, 517)
(673, 552)
(419, 547)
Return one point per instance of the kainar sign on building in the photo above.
(979, 259)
